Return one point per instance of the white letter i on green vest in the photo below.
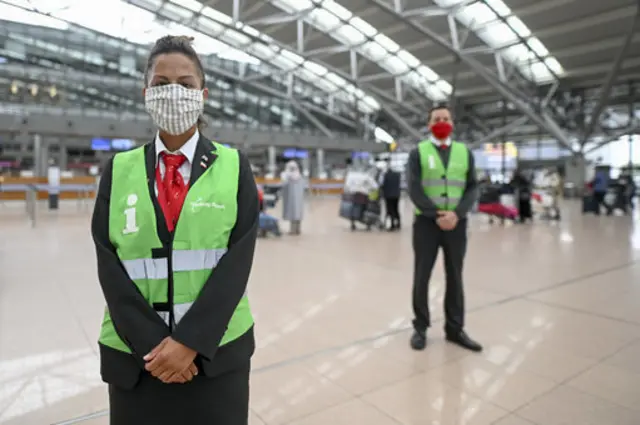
(131, 226)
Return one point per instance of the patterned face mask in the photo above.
(174, 108)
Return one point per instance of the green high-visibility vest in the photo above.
(444, 185)
(200, 239)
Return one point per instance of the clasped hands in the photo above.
(447, 220)
(171, 362)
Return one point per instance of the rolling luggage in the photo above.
(346, 206)
(589, 205)
(268, 224)
(498, 210)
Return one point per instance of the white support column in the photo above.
(306, 166)
(399, 93)
(236, 10)
(353, 56)
(272, 168)
(39, 166)
(321, 172)
(300, 35)
(63, 158)
(290, 81)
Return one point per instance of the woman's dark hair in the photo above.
(176, 44)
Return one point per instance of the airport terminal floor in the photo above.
(555, 305)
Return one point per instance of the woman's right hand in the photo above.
(184, 377)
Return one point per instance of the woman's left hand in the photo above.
(169, 358)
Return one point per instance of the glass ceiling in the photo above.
(350, 30)
(495, 24)
(214, 34)
(134, 24)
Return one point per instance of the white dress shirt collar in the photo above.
(188, 149)
(441, 142)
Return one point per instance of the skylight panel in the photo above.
(382, 136)
(396, 65)
(323, 19)
(192, 5)
(427, 73)
(286, 60)
(349, 36)
(212, 13)
(408, 58)
(180, 12)
(387, 43)
(487, 19)
(374, 51)
(15, 14)
(338, 10)
(370, 43)
(134, 21)
(518, 26)
(319, 70)
(363, 27)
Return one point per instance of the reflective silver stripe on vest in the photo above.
(441, 200)
(183, 261)
(147, 268)
(179, 310)
(442, 183)
(164, 315)
(190, 260)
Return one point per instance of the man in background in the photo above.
(600, 187)
(443, 188)
(391, 181)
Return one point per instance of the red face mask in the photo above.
(441, 130)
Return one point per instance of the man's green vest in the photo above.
(444, 185)
(200, 238)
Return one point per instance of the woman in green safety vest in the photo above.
(175, 227)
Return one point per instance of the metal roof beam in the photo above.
(630, 130)
(132, 84)
(315, 121)
(611, 77)
(432, 11)
(345, 75)
(62, 38)
(499, 132)
(539, 117)
(328, 51)
(408, 128)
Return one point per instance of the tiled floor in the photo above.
(557, 307)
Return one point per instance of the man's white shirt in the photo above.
(439, 143)
(188, 150)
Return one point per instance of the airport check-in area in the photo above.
(429, 208)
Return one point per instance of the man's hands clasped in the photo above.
(447, 220)
(171, 362)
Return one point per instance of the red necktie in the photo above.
(171, 189)
(443, 146)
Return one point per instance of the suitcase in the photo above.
(268, 224)
(346, 206)
(372, 213)
(589, 205)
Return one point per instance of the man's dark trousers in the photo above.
(428, 238)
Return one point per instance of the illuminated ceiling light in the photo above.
(15, 87)
(33, 89)
(53, 91)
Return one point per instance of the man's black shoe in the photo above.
(419, 340)
(463, 340)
